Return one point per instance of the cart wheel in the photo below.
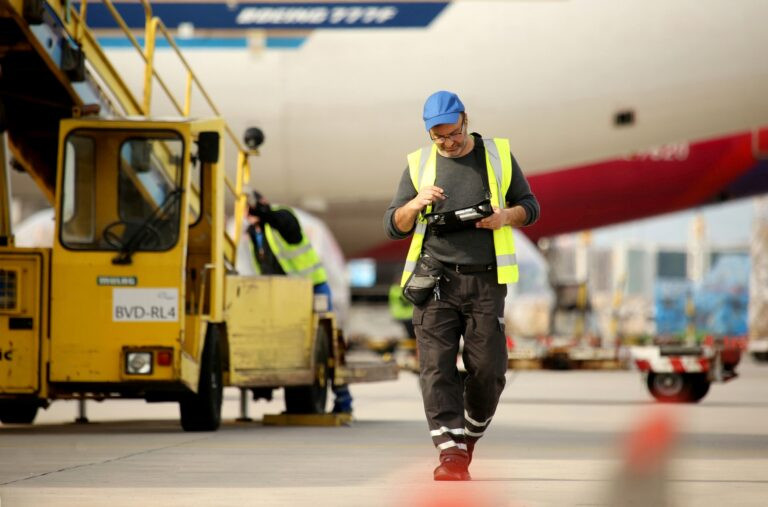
(311, 399)
(699, 387)
(760, 357)
(678, 387)
(202, 411)
(18, 411)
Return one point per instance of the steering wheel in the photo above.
(149, 236)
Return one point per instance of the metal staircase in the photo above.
(52, 68)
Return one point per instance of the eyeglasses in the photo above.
(453, 136)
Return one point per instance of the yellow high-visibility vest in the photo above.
(300, 259)
(422, 165)
(399, 307)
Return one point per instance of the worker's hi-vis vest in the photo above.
(399, 307)
(422, 165)
(300, 259)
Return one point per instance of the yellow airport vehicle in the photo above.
(138, 296)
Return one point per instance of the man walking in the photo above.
(473, 192)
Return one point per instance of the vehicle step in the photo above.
(306, 419)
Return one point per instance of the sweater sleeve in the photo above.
(405, 192)
(519, 193)
(286, 224)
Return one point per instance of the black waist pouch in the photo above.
(424, 280)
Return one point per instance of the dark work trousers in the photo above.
(470, 305)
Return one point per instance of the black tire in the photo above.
(312, 399)
(18, 411)
(202, 411)
(678, 387)
(760, 357)
(699, 387)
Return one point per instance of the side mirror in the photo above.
(253, 137)
(208, 147)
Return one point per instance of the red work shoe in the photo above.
(470, 450)
(453, 467)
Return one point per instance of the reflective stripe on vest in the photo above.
(422, 165)
(422, 173)
(299, 259)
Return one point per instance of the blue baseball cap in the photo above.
(442, 107)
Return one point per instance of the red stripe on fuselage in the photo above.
(616, 191)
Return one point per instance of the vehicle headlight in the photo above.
(138, 363)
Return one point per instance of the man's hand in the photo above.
(514, 216)
(426, 196)
(495, 221)
(405, 215)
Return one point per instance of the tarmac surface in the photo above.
(558, 438)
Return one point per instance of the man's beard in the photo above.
(456, 151)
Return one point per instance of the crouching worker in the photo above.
(280, 247)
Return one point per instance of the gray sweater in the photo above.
(464, 181)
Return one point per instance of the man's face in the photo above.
(450, 138)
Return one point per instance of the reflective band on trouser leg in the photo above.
(450, 443)
(474, 428)
(445, 438)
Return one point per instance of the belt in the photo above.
(469, 268)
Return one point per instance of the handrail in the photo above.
(191, 76)
(122, 24)
(81, 27)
